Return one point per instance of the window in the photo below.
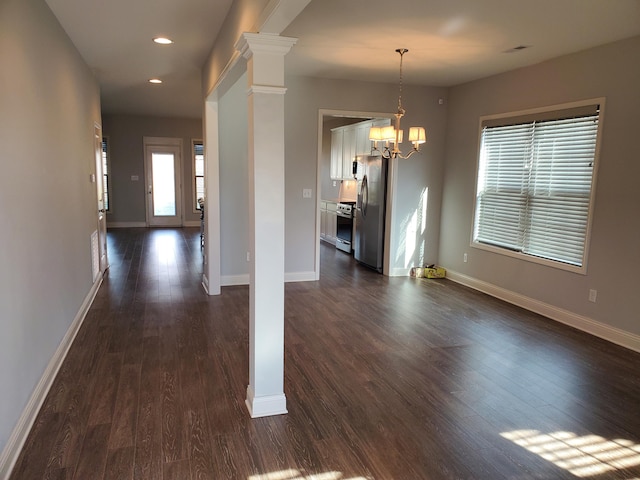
(105, 172)
(535, 184)
(198, 172)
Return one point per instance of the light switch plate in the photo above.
(306, 193)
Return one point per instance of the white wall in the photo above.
(49, 102)
(609, 71)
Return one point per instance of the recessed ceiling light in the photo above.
(163, 40)
(155, 80)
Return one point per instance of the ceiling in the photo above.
(450, 42)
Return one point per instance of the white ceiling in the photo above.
(450, 42)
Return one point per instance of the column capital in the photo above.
(250, 43)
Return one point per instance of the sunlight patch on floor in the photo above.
(293, 474)
(583, 456)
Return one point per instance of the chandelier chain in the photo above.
(401, 51)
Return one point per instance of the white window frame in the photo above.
(194, 181)
(542, 112)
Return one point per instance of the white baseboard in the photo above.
(126, 224)
(19, 435)
(230, 280)
(300, 277)
(586, 324)
(243, 278)
(191, 223)
(265, 406)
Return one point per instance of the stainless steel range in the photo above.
(344, 232)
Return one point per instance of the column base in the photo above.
(266, 405)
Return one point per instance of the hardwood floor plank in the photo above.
(200, 447)
(148, 451)
(119, 464)
(104, 395)
(174, 429)
(93, 457)
(123, 426)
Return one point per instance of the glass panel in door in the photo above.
(163, 187)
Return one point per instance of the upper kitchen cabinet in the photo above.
(337, 136)
(349, 142)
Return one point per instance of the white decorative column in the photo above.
(265, 71)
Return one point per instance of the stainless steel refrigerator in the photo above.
(370, 211)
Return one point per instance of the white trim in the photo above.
(243, 278)
(191, 223)
(300, 277)
(266, 405)
(278, 14)
(126, 224)
(266, 89)
(212, 249)
(250, 43)
(230, 280)
(18, 436)
(585, 324)
(205, 283)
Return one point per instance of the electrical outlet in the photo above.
(464, 257)
(592, 295)
(248, 256)
(306, 193)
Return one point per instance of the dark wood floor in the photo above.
(386, 378)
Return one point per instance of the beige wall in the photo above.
(126, 157)
(49, 102)
(609, 71)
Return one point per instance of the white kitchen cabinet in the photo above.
(332, 223)
(328, 221)
(363, 144)
(348, 151)
(337, 135)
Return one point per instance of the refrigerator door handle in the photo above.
(365, 195)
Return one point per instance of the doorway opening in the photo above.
(329, 188)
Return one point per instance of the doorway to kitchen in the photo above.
(339, 185)
(162, 160)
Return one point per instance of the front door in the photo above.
(163, 183)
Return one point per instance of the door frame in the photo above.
(103, 260)
(151, 143)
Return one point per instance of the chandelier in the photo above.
(392, 135)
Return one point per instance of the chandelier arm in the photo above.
(404, 157)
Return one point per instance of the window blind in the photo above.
(534, 187)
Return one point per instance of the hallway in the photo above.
(386, 378)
